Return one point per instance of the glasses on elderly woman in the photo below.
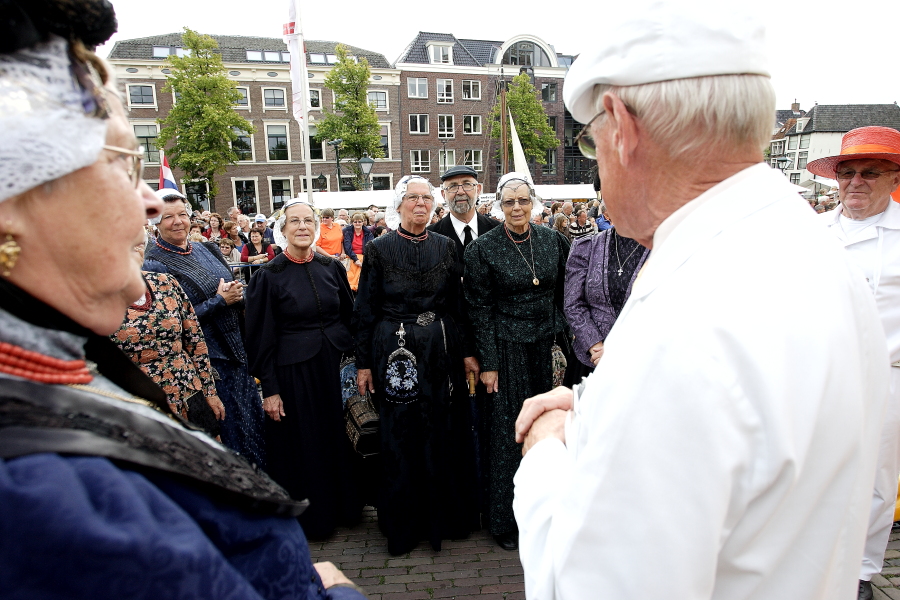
(136, 163)
(523, 202)
(416, 197)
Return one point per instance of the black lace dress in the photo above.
(426, 455)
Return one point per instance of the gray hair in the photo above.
(709, 113)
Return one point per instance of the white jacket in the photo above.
(725, 446)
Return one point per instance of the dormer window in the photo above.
(440, 54)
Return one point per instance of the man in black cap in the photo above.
(460, 188)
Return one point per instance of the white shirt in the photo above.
(459, 226)
(873, 245)
(729, 429)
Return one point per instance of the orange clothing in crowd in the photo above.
(331, 239)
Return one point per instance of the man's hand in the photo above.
(596, 352)
(472, 366)
(557, 398)
(330, 574)
(364, 381)
(274, 407)
(489, 379)
(551, 424)
(217, 407)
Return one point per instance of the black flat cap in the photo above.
(459, 170)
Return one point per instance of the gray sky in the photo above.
(823, 51)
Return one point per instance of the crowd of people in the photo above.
(586, 381)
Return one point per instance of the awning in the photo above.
(579, 191)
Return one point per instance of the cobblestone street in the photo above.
(476, 566)
(887, 585)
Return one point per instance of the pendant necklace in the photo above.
(535, 281)
(616, 240)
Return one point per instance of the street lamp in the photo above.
(337, 158)
(782, 162)
(365, 165)
(322, 182)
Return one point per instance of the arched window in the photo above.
(526, 54)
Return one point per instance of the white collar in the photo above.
(459, 225)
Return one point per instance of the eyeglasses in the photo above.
(468, 186)
(416, 197)
(136, 167)
(523, 202)
(585, 141)
(868, 175)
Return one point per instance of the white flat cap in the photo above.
(651, 41)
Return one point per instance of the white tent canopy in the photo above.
(579, 191)
(348, 200)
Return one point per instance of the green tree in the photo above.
(201, 126)
(532, 125)
(353, 118)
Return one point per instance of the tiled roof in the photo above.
(233, 48)
(844, 117)
(782, 116)
(417, 52)
(484, 51)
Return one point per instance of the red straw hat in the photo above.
(863, 142)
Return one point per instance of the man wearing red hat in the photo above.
(868, 225)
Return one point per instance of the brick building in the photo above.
(271, 167)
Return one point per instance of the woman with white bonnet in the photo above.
(514, 284)
(299, 310)
(409, 353)
(105, 492)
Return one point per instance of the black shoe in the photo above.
(865, 590)
(508, 541)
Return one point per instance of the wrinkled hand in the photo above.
(557, 398)
(232, 291)
(217, 407)
(330, 574)
(551, 424)
(274, 407)
(472, 366)
(489, 379)
(596, 352)
(364, 381)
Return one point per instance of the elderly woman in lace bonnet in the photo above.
(101, 485)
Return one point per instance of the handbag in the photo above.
(360, 416)
(558, 364)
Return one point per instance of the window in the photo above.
(281, 192)
(154, 185)
(446, 159)
(141, 95)
(445, 91)
(445, 126)
(471, 90)
(802, 157)
(316, 58)
(790, 165)
(277, 138)
(777, 148)
(792, 143)
(197, 193)
(317, 185)
(244, 100)
(381, 182)
(550, 167)
(348, 183)
(243, 145)
(245, 196)
(332, 59)
(473, 159)
(804, 141)
(420, 161)
(315, 99)
(316, 151)
(385, 142)
(418, 123)
(548, 92)
(526, 54)
(441, 54)
(795, 178)
(272, 56)
(552, 122)
(273, 98)
(378, 100)
(146, 137)
(471, 124)
(254, 55)
(416, 87)
(161, 51)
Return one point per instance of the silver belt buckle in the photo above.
(425, 319)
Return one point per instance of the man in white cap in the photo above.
(727, 427)
(868, 226)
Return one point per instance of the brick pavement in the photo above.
(474, 567)
(887, 585)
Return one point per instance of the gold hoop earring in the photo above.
(9, 254)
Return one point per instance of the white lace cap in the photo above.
(45, 130)
(391, 216)
(536, 206)
(277, 233)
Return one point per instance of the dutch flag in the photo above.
(166, 179)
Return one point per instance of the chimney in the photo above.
(795, 107)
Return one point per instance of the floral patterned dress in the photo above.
(162, 336)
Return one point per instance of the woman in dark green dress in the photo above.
(514, 285)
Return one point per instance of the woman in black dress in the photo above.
(298, 316)
(410, 355)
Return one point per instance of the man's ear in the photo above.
(623, 124)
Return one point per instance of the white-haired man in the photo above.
(868, 225)
(727, 427)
